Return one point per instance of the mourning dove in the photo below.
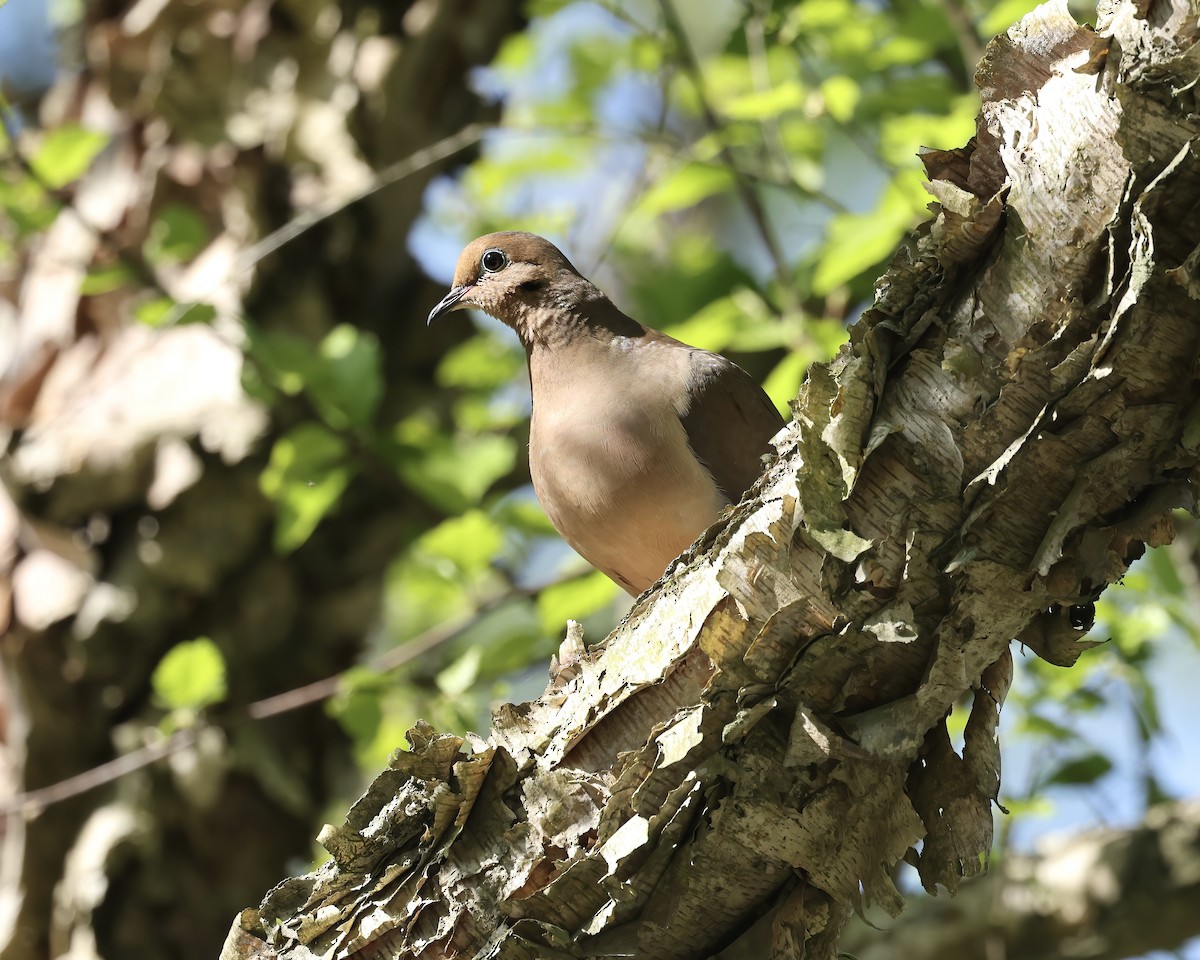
(637, 441)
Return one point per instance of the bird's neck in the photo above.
(578, 316)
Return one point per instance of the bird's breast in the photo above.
(617, 478)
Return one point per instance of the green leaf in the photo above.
(66, 153)
(574, 600)
(902, 135)
(452, 472)
(841, 96)
(1040, 726)
(177, 234)
(477, 413)
(357, 705)
(306, 476)
(191, 676)
(460, 676)
(479, 363)
(685, 188)
(859, 241)
(154, 312)
(783, 382)
(516, 53)
(106, 279)
(765, 104)
(26, 204)
(1082, 770)
(508, 639)
(1003, 15)
(342, 375)
(163, 311)
(524, 515)
(346, 384)
(712, 328)
(468, 542)
(285, 361)
(815, 15)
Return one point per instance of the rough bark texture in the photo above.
(1102, 895)
(131, 516)
(764, 735)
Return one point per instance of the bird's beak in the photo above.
(451, 301)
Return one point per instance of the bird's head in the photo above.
(520, 279)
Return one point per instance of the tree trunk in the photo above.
(764, 735)
(136, 518)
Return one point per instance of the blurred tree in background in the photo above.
(238, 464)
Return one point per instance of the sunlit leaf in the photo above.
(1042, 726)
(765, 104)
(343, 374)
(784, 381)
(712, 328)
(357, 705)
(841, 95)
(508, 639)
(106, 279)
(818, 14)
(305, 476)
(347, 384)
(859, 241)
(285, 361)
(469, 542)
(523, 514)
(460, 675)
(1003, 14)
(66, 153)
(574, 600)
(191, 676)
(452, 472)
(684, 188)
(482, 413)
(480, 362)
(160, 311)
(516, 52)
(26, 205)
(902, 135)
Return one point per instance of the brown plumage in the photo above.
(637, 441)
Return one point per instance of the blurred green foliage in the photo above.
(738, 177)
(191, 676)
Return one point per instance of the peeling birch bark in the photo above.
(763, 738)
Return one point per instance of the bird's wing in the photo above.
(729, 422)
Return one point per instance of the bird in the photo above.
(637, 441)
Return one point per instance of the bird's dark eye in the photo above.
(493, 260)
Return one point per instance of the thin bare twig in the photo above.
(414, 163)
(642, 179)
(970, 46)
(760, 76)
(746, 191)
(32, 802)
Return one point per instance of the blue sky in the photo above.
(27, 47)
